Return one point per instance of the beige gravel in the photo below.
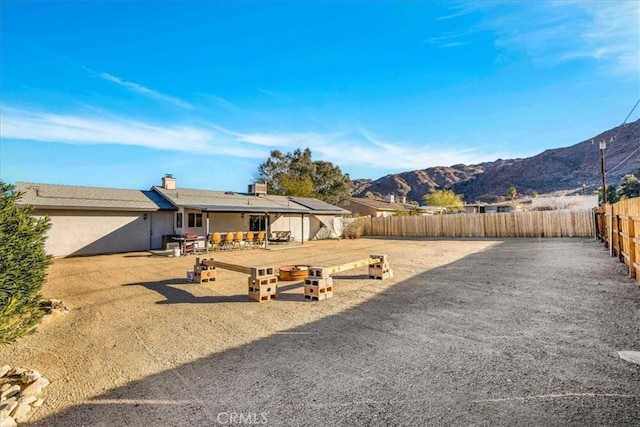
(134, 315)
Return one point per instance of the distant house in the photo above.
(571, 202)
(492, 207)
(363, 206)
(91, 220)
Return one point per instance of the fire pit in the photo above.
(289, 273)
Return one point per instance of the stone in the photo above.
(21, 413)
(10, 392)
(4, 370)
(630, 356)
(30, 376)
(35, 388)
(8, 422)
(16, 372)
(38, 403)
(5, 387)
(27, 399)
(8, 406)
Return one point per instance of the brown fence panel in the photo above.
(557, 223)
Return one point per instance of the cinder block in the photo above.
(269, 280)
(262, 298)
(382, 258)
(206, 276)
(260, 272)
(263, 289)
(314, 281)
(318, 273)
(315, 297)
(378, 273)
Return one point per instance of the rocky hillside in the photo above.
(561, 169)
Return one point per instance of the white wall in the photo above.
(96, 232)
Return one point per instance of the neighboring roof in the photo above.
(380, 205)
(53, 196)
(318, 206)
(221, 201)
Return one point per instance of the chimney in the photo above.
(403, 199)
(390, 198)
(168, 182)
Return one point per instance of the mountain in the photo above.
(571, 169)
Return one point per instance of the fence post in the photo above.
(632, 247)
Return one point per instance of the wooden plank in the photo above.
(233, 267)
(352, 265)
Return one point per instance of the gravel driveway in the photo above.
(468, 332)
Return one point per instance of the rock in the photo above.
(21, 413)
(29, 376)
(27, 399)
(16, 372)
(10, 392)
(38, 403)
(4, 370)
(630, 356)
(7, 422)
(5, 387)
(55, 313)
(8, 406)
(35, 388)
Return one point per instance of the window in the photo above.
(257, 223)
(195, 220)
(179, 220)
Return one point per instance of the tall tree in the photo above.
(444, 198)
(296, 174)
(629, 187)
(512, 192)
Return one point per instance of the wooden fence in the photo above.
(557, 223)
(618, 226)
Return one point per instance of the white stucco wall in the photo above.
(99, 232)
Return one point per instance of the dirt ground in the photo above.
(468, 332)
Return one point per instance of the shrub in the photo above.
(354, 230)
(23, 265)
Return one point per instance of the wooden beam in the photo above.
(352, 265)
(232, 267)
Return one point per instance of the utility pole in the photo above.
(603, 146)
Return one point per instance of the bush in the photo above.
(354, 230)
(23, 265)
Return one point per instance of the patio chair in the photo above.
(227, 243)
(216, 239)
(259, 239)
(250, 238)
(238, 239)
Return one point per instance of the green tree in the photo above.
(534, 194)
(444, 198)
(296, 174)
(629, 187)
(612, 194)
(23, 265)
(512, 192)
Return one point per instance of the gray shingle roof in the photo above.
(53, 196)
(221, 201)
(380, 205)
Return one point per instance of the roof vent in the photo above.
(257, 189)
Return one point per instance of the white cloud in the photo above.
(554, 32)
(146, 91)
(352, 148)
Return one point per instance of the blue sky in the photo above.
(119, 93)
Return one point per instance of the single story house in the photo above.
(364, 206)
(93, 220)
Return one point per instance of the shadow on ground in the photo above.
(502, 337)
